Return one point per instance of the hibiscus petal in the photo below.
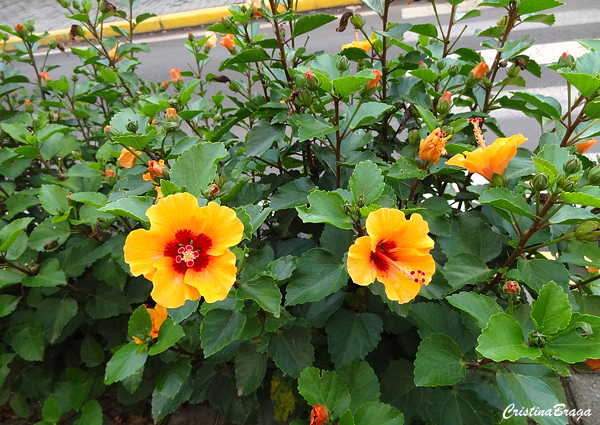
(214, 282)
(170, 290)
(176, 212)
(223, 228)
(142, 249)
(360, 267)
(415, 269)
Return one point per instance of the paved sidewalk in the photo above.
(49, 15)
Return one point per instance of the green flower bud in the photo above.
(220, 180)
(594, 176)
(218, 117)
(503, 21)
(305, 98)
(64, 3)
(132, 126)
(300, 80)
(4, 36)
(568, 186)
(584, 329)
(76, 5)
(234, 87)
(414, 137)
(53, 44)
(76, 154)
(572, 166)
(497, 181)
(171, 126)
(588, 231)
(358, 21)
(441, 64)
(453, 70)
(361, 201)
(540, 182)
(348, 209)
(570, 62)
(342, 64)
(80, 31)
(513, 71)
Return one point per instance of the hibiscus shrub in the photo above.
(328, 238)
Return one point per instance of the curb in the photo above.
(172, 21)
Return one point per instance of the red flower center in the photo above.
(384, 259)
(188, 251)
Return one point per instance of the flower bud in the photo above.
(453, 70)
(220, 180)
(572, 166)
(76, 154)
(19, 29)
(511, 287)
(497, 181)
(593, 176)
(588, 231)
(109, 174)
(164, 86)
(45, 76)
(479, 70)
(540, 182)
(361, 201)
(584, 329)
(111, 132)
(570, 62)
(76, 5)
(414, 137)
(4, 36)
(53, 44)
(312, 82)
(234, 87)
(28, 106)
(172, 115)
(342, 64)
(348, 209)
(300, 80)
(513, 71)
(190, 36)
(171, 126)
(445, 103)
(64, 3)
(132, 126)
(503, 21)
(305, 98)
(79, 31)
(358, 21)
(319, 415)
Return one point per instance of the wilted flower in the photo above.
(583, 147)
(112, 54)
(433, 146)
(319, 415)
(228, 41)
(127, 159)
(479, 70)
(176, 75)
(45, 76)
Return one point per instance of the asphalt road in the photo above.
(576, 19)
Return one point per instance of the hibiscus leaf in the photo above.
(220, 328)
(352, 336)
(291, 350)
(439, 362)
(551, 311)
(325, 207)
(125, 362)
(503, 339)
(196, 167)
(140, 323)
(367, 181)
(325, 388)
(480, 307)
(250, 367)
(168, 335)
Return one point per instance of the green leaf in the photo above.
(196, 167)
(428, 30)
(375, 5)
(426, 75)
(135, 141)
(546, 167)
(366, 113)
(125, 362)
(367, 181)
(19, 405)
(361, 381)
(250, 368)
(168, 334)
(538, 272)
(458, 407)
(551, 311)
(140, 323)
(179, 314)
(325, 207)
(291, 350)
(54, 199)
(11, 232)
(310, 22)
(465, 269)
(378, 414)
(261, 137)
(54, 314)
(480, 307)
(92, 353)
(133, 206)
(439, 362)
(219, 328)
(547, 106)
(91, 414)
(405, 168)
(318, 273)
(170, 379)
(264, 291)
(532, 6)
(588, 196)
(586, 84)
(350, 84)
(325, 388)
(253, 54)
(46, 232)
(108, 303)
(472, 236)
(292, 194)
(8, 303)
(310, 128)
(572, 347)
(29, 342)
(49, 276)
(94, 199)
(351, 336)
(50, 410)
(502, 339)
(503, 199)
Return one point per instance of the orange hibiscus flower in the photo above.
(228, 41)
(583, 147)
(375, 81)
(396, 253)
(365, 45)
(593, 363)
(433, 146)
(186, 251)
(155, 169)
(158, 314)
(127, 159)
(479, 70)
(319, 415)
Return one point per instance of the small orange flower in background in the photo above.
(212, 40)
(583, 147)
(127, 159)
(594, 364)
(158, 314)
(228, 42)
(365, 45)
(45, 76)
(375, 81)
(186, 251)
(479, 70)
(109, 173)
(176, 75)
(446, 97)
(155, 169)
(319, 415)
(255, 4)
(488, 160)
(112, 54)
(171, 114)
(592, 269)
(165, 84)
(434, 146)
(395, 252)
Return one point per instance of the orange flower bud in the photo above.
(565, 55)
(592, 269)
(446, 97)
(594, 364)
(27, 102)
(512, 287)
(255, 4)
(212, 40)
(155, 169)
(109, 173)
(176, 75)
(213, 189)
(172, 114)
(228, 42)
(319, 415)
(585, 146)
(165, 84)
(127, 159)
(309, 75)
(45, 76)
(375, 81)
(19, 28)
(479, 70)
(422, 64)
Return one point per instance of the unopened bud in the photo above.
(190, 36)
(171, 126)
(570, 62)
(172, 114)
(588, 231)
(361, 201)
(305, 98)
(453, 70)
(584, 329)
(80, 31)
(572, 166)
(300, 80)
(497, 181)
(348, 209)
(357, 20)
(513, 71)
(503, 21)
(28, 106)
(342, 64)
(19, 29)
(540, 182)
(64, 3)
(164, 86)
(445, 103)
(132, 126)
(234, 87)
(109, 174)
(220, 180)
(111, 132)
(4, 36)
(53, 44)
(217, 117)
(511, 287)
(414, 137)
(594, 176)
(312, 82)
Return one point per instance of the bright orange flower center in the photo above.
(385, 259)
(188, 251)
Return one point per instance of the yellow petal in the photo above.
(217, 278)
(170, 290)
(222, 227)
(361, 269)
(176, 212)
(142, 249)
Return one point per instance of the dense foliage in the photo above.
(350, 248)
